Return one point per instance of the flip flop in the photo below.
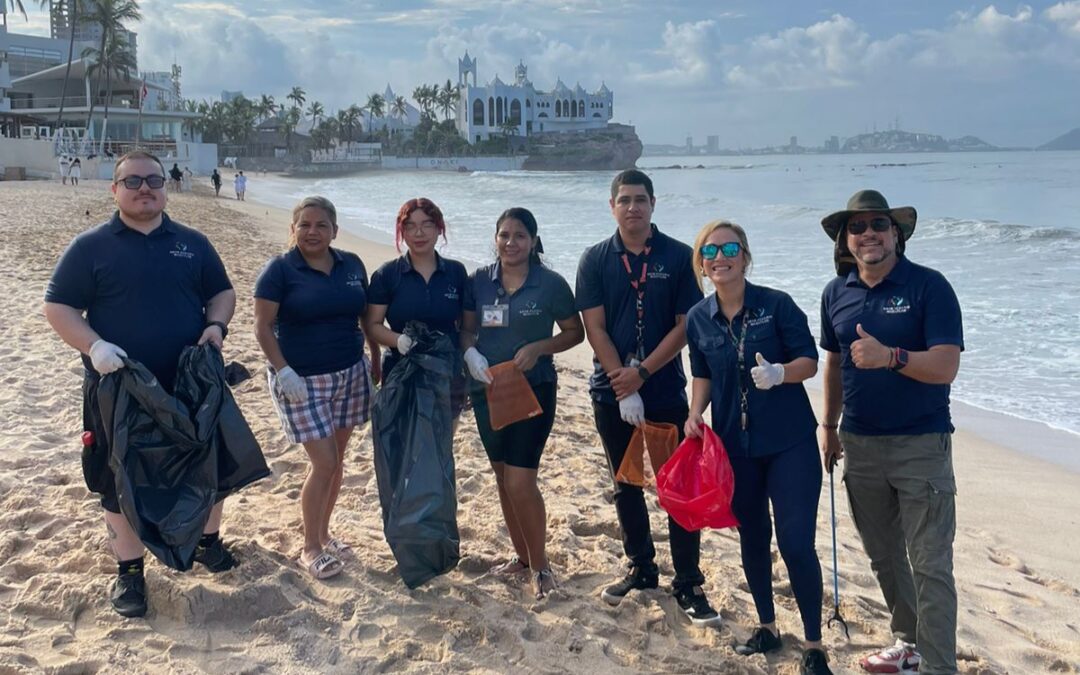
(340, 549)
(323, 566)
(511, 567)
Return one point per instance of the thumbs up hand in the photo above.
(867, 352)
(767, 375)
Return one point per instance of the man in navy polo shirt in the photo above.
(634, 290)
(893, 333)
(141, 286)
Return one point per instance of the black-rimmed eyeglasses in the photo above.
(153, 182)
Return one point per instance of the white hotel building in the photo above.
(482, 110)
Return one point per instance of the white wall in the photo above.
(38, 159)
(497, 163)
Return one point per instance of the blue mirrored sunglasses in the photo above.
(710, 251)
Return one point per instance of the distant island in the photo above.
(892, 140)
(1068, 141)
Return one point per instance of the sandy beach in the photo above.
(1017, 557)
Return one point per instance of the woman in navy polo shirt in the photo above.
(520, 300)
(750, 351)
(308, 304)
(419, 286)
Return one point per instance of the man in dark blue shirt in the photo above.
(149, 287)
(634, 291)
(893, 333)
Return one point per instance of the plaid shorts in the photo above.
(339, 400)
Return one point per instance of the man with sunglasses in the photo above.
(140, 286)
(634, 290)
(893, 335)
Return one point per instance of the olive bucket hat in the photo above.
(874, 201)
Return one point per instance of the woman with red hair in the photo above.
(421, 286)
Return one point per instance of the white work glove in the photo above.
(478, 365)
(767, 375)
(106, 356)
(632, 410)
(404, 344)
(292, 386)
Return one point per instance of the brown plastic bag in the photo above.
(509, 397)
(659, 439)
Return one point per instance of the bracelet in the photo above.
(830, 426)
(221, 325)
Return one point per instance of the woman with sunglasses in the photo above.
(421, 286)
(750, 351)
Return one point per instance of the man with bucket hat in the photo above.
(893, 335)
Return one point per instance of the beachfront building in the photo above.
(496, 108)
(394, 121)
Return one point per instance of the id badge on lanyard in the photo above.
(495, 315)
(638, 285)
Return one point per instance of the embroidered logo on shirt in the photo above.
(758, 317)
(352, 279)
(657, 272)
(181, 251)
(530, 309)
(896, 305)
(451, 293)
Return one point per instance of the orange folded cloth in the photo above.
(509, 397)
(659, 439)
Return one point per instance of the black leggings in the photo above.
(522, 443)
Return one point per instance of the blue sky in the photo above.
(753, 73)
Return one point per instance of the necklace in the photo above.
(740, 352)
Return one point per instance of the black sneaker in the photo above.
(761, 642)
(215, 556)
(638, 579)
(814, 662)
(694, 604)
(128, 595)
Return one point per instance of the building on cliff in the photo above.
(497, 108)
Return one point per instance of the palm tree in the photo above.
(110, 15)
(288, 123)
(425, 97)
(297, 96)
(375, 107)
(315, 111)
(265, 107)
(17, 6)
(117, 58)
(399, 108)
(447, 99)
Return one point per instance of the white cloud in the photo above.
(1066, 15)
(689, 48)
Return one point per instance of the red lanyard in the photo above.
(639, 286)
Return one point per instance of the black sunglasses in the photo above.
(154, 182)
(881, 224)
(729, 250)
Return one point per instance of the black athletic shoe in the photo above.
(694, 604)
(128, 595)
(761, 642)
(215, 556)
(638, 579)
(814, 662)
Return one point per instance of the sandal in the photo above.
(323, 566)
(339, 549)
(511, 567)
(544, 581)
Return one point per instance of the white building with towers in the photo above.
(496, 108)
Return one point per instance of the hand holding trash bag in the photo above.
(106, 357)
(696, 485)
(404, 344)
(632, 409)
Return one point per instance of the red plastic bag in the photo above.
(695, 486)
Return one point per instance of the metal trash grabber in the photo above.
(835, 618)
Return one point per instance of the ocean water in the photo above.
(1004, 228)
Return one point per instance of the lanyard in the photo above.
(639, 286)
(740, 351)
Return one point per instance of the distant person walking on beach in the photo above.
(120, 290)
(240, 185)
(185, 183)
(65, 167)
(215, 180)
(176, 176)
(308, 304)
(750, 351)
(511, 309)
(75, 171)
(634, 290)
(893, 333)
(419, 286)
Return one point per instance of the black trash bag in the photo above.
(175, 456)
(414, 460)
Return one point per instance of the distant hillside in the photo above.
(895, 140)
(1069, 141)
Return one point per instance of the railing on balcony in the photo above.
(26, 103)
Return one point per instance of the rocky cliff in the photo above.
(616, 147)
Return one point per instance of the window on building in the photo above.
(491, 111)
(515, 110)
(581, 108)
(478, 112)
(558, 108)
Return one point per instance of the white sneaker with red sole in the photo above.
(900, 658)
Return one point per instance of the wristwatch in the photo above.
(643, 373)
(900, 358)
(221, 325)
